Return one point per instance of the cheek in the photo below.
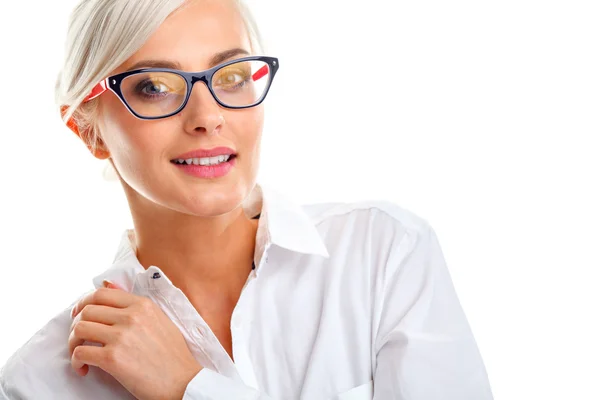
(251, 133)
(251, 130)
(132, 142)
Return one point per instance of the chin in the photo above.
(210, 204)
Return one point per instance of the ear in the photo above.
(100, 152)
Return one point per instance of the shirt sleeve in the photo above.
(3, 395)
(424, 347)
(210, 385)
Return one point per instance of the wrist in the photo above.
(186, 377)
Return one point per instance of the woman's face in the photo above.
(142, 151)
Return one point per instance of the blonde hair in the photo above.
(102, 35)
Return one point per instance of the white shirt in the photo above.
(348, 301)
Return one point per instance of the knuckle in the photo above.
(96, 296)
(100, 294)
(132, 318)
(146, 303)
(87, 311)
(79, 329)
(119, 336)
(77, 353)
(110, 358)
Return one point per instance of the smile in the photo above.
(204, 160)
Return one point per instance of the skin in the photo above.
(141, 348)
(193, 228)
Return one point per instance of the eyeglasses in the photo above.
(154, 93)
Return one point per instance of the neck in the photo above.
(192, 250)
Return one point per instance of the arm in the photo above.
(423, 344)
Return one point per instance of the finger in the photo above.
(84, 356)
(102, 314)
(105, 297)
(89, 331)
(83, 370)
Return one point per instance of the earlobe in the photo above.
(99, 149)
(99, 153)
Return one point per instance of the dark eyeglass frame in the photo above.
(113, 83)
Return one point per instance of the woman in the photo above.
(225, 289)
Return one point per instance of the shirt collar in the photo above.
(282, 223)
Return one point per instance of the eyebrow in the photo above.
(215, 60)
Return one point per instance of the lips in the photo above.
(206, 167)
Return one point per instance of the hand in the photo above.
(141, 347)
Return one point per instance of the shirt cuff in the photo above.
(210, 385)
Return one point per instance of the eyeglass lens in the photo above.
(155, 94)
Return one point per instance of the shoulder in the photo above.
(379, 216)
(378, 238)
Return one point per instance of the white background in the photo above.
(482, 117)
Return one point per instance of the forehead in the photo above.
(194, 33)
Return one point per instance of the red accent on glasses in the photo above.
(97, 90)
(260, 73)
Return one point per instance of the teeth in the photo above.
(204, 161)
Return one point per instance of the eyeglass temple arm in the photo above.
(97, 90)
(103, 85)
(260, 73)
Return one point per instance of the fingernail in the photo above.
(106, 283)
(72, 312)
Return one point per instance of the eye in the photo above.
(229, 79)
(152, 87)
(232, 76)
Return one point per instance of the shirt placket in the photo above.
(203, 343)
(241, 325)
(242, 319)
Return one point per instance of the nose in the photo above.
(202, 113)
